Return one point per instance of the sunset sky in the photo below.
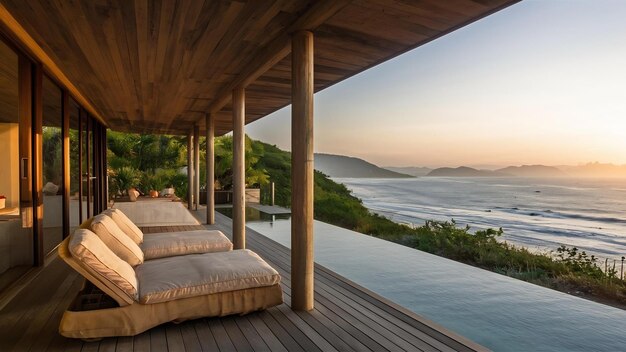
(540, 82)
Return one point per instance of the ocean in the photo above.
(537, 213)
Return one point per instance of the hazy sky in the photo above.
(543, 81)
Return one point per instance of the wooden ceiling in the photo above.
(160, 66)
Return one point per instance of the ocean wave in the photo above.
(594, 221)
(564, 215)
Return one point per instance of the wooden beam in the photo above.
(15, 30)
(239, 176)
(196, 166)
(210, 169)
(278, 49)
(302, 171)
(190, 170)
(65, 127)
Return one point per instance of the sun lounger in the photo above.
(162, 290)
(167, 244)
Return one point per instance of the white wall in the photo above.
(9, 163)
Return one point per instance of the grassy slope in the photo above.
(568, 270)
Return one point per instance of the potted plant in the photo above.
(3, 201)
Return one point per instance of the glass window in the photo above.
(52, 165)
(74, 167)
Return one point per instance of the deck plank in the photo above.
(174, 338)
(222, 338)
(250, 334)
(124, 344)
(141, 342)
(269, 337)
(190, 338)
(207, 341)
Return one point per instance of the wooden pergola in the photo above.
(210, 67)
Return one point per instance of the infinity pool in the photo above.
(496, 311)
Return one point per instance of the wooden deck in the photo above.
(347, 317)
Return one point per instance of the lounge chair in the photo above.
(162, 290)
(166, 244)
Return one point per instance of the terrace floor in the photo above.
(346, 317)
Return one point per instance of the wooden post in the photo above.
(239, 177)
(210, 169)
(190, 171)
(37, 167)
(272, 194)
(66, 163)
(302, 171)
(196, 166)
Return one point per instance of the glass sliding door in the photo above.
(87, 164)
(52, 165)
(16, 246)
(75, 199)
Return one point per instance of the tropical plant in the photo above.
(125, 178)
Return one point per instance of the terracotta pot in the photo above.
(154, 194)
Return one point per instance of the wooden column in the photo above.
(210, 169)
(302, 171)
(196, 166)
(239, 177)
(66, 163)
(190, 171)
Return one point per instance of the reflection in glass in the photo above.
(74, 167)
(52, 165)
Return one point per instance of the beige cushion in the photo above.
(173, 278)
(169, 244)
(116, 240)
(95, 257)
(125, 224)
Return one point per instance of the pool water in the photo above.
(254, 215)
(496, 311)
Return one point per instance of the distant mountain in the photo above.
(345, 166)
(464, 171)
(533, 171)
(410, 170)
(595, 170)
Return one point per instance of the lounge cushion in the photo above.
(95, 257)
(117, 240)
(169, 244)
(173, 278)
(125, 224)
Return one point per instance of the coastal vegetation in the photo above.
(153, 162)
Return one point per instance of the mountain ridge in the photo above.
(340, 166)
(464, 171)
